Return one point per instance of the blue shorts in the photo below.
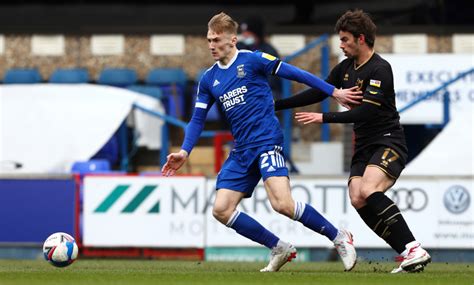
(243, 169)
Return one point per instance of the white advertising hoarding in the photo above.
(438, 211)
(144, 211)
(414, 75)
(327, 196)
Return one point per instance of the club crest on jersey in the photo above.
(240, 71)
(359, 82)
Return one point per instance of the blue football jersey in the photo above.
(242, 90)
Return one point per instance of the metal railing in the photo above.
(169, 120)
(286, 91)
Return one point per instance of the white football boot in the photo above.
(282, 253)
(345, 248)
(413, 256)
(413, 259)
(399, 269)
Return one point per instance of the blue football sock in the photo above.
(251, 229)
(312, 219)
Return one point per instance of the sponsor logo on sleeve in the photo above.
(375, 83)
(268, 56)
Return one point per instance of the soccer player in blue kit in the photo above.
(238, 82)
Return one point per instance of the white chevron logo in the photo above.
(216, 82)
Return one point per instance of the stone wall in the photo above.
(137, 55)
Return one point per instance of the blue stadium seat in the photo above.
(166, 76)
(152, 91)
(91, 166)
(22, 76)
(172, 81)
(119, 77)
(73, 75)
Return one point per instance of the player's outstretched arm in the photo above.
(363, 113)
(303, 98)
(191, 135)
(312, 96)
(343, 96)
(174, 162)
(309, 117)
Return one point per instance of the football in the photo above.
(60, 249)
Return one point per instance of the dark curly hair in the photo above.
(357, 23)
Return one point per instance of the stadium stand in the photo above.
(118, 77)
(151, 91)
(166, 76)
(435, 191)
(22, 76)
(73, 75)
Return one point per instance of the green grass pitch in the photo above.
(137, 272)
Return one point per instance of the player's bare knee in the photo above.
(221, 214)
(357, 201)
(284, 208)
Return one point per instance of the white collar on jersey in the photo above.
(221, 66)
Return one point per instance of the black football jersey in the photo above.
(375, 80)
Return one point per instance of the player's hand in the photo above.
(345, 97)
(309, 117)
(174, 162)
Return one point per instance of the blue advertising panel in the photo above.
(31, 210)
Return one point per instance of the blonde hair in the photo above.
(223, 23)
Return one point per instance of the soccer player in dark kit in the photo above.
(380, 149)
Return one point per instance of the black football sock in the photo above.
(382, 230)
(386, 209)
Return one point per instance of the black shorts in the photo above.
(387, 158)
